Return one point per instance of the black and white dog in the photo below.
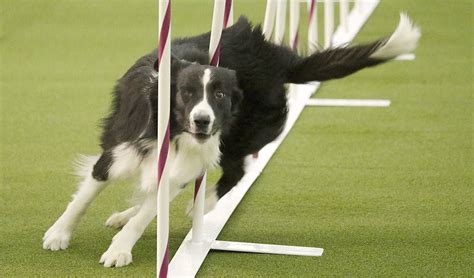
(219, 116)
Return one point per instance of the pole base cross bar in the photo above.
(348, 102)
(246, 247)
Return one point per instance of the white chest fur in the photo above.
(189, 159)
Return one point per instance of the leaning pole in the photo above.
(163, 142)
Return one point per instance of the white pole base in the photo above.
(348, 102)
(266, 248)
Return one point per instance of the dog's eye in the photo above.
(219, 94)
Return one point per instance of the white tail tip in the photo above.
(403, 40)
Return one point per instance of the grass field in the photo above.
(386, 192)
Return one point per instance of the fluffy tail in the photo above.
(84, 164)
(340, 62)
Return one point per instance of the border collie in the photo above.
(219, 116)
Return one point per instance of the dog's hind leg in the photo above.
(119, 219)
(96, 172)
(58, 235)
(119, 252)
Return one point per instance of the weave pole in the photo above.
(343, 12)
(312, 27)
(164, 101)
(294, 25)
(273, 7)
(359, 6)
(221, 18)
(229, 15)
(280, 22)
(328, 22)
(269, 20)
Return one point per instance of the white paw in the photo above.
(209, 203)
(56, 238)
(117, 258)
(117, 220)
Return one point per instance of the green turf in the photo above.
(386, 192)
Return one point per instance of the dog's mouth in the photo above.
(200, 136)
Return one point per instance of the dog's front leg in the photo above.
(119, 219)
(59, 234)
(120, 251)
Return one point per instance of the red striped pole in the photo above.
(280, 22)
(275, 18)
(228, 13)
(163, 138)
(294, 24)
(221, 7)
(269, 21)
(343, 12)
(328, 22)
(220, 19)
(294, 33)
(312, 27)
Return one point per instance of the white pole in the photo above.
(269, 21)
(359, 6)
(312, 26)
(163, 139)
(294, 24)
(219, 14)
(230, 21)
(328, 22)
(348, 102)
(216, 30)
(343, 13)
(280, 22)
(198, 209)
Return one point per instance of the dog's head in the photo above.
(206, 98)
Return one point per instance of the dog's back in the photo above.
(259, 64)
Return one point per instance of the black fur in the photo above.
(334, 63)
(190, 91)
(262, 69)
(102, 166)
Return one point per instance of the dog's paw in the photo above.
(209, 203)
(56, 238)
(116, 258)
(117, 220)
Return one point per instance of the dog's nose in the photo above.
(202, 121)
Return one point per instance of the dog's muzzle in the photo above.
(201, 126)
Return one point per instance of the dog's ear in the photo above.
(176, 65)
(237, 96)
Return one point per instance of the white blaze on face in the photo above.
(203, 107)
